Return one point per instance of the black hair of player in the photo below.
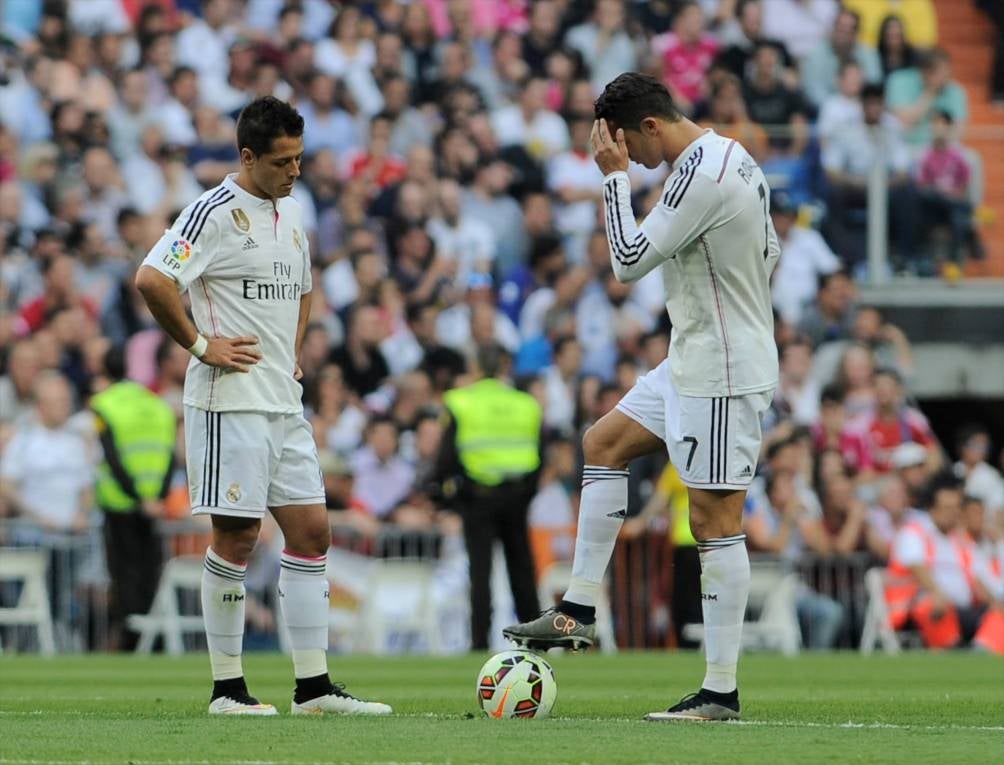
(631, 97)
(265, 119)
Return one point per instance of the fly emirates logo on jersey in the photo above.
(281, 287)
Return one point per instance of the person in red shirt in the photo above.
(943, 185)
(894, 423)
(59, 294)
(832, 433)
(377, 166)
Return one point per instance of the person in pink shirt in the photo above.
(943, 183)
(687, 53)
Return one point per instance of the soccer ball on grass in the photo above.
(516, 684)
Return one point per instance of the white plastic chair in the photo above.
(165, 617)
(773, 596)
(32, 607)
(399, 604)
(877, 630)
(554, 581)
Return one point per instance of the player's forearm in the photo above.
(631, 254)
(302, 321)
(164, 301)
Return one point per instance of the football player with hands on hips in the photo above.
(712, 239)
(241, 253)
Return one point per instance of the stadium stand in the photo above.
(450, 201)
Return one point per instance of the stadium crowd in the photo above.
(451, 201)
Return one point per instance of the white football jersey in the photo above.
(246, 264)
(712, 235)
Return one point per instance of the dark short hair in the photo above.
(833, 393)
(115, 362)
(941, 482)
(491, 358)
(872, 90)
(632, 97)
(265, 119)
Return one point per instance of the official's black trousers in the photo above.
(498, 513)
(135, 555)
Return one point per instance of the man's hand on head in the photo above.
(610, 152)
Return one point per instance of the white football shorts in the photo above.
(241, 463)
(713, 442)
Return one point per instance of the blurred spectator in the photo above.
(337, 422)
(727, 116)
(843, 107)
(347, 56)
(542, 35)
(894, 423)
(781, 522)
(937, 583)
(919, 15)
(577, 183)
(981, 479)
(890, 514)
(560, 383)
(797, 395)
(325, 124)
(805, 258)
(363, 366)
(46, 475)
(821, 66)
(743, 34)
(17, 385)
(800, 24)
(462, 239)
(606, 317)
(686, 54)
(773, 104)
(894, 49)
(848, 160)
(844, 515)
(604, 43)
(383, 479)
(832, 434)
(60, 294)
(916, 95)
(530, 123)
(943, 181)
(888, 344)
(831, 316)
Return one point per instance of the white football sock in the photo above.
(725, 586)
(303, 597)
(602, 509)
(223, 611)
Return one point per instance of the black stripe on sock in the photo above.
(215, 568)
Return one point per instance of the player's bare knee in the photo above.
(599, 447)
(714, 514)
(234, 539)
(311, 538)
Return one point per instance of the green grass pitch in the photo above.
(839, 708)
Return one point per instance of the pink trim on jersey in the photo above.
(725, 161)
(721, 315)
(290, 554)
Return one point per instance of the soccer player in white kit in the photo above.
(712, 237)
(241, 253)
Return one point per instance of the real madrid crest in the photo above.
(234, 493)
(241, 219)
(296, 240)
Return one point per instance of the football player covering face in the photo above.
(271, 175)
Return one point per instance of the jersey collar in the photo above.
(690, 148)
(230, 182)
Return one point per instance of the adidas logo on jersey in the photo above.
(250, 244)
(746, 472)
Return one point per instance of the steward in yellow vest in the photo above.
(137, 432)
(490, 456)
